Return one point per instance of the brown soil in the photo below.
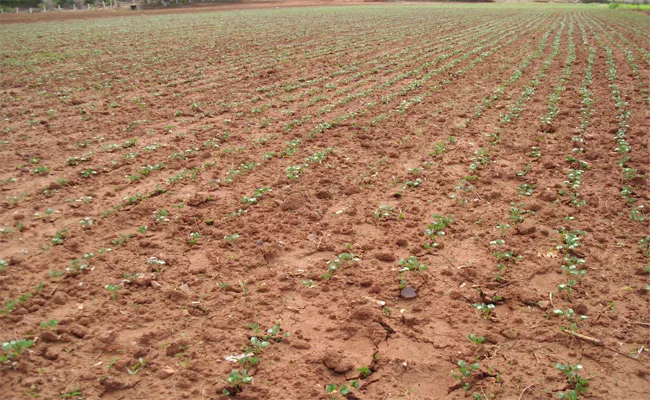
(133, 221)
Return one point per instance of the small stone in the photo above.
(509, 334)
(79, 331)
(408, 293)
(59, 298)
(544, 304)
(526, 228)
(108, 337)
(581, 309)
(49, 337)
(51, 353)
(292, 202)
(410, 320)
(165, 372)
(324, 195)
(548, 195)
(384, 256)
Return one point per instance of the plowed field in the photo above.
(367, 202)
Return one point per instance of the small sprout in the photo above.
(13, 349)
(465, 372)
(476, 339)
(526, 189)
(364, 372)
(231, 238)
(155, 261)
(112, 289)
(59, 237)
(193, 239)
(135, 368)
(383, 212)
(86, 223)
(484, 309)
(50, 324)
(577, 384)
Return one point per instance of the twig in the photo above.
(524, 391)
(589, 339)
(550, 297)
(94, 359)
(43, 378)
(597, 342)
(640, 351)
(642, 323)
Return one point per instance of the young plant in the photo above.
(341, 259)
(193, 239)
(13, 349)
(135, 368)
(237, 380)
(476, 339)
(59, 237)
(577, 384)
(437, 228)
(112, 289)
(465, 373)
(383, 212)
(484, 309)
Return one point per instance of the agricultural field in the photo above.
(362, 202)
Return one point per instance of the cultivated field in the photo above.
(374, 202)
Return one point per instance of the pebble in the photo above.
(408, 293)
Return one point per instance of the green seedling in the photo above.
(484, 309)
(476, 339)
(193, 239)
(237, 380)
(74, 393)
(341, 259)
(437, 228)
(577, 384)
(465, 373)
(161, 216)
(412, 264)
(526, 189)
(59, 237)
(383, 212)
(135, 368)
(231, 238)
(50, 324)
(112, 289)
(364, 372)
(13, 349)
